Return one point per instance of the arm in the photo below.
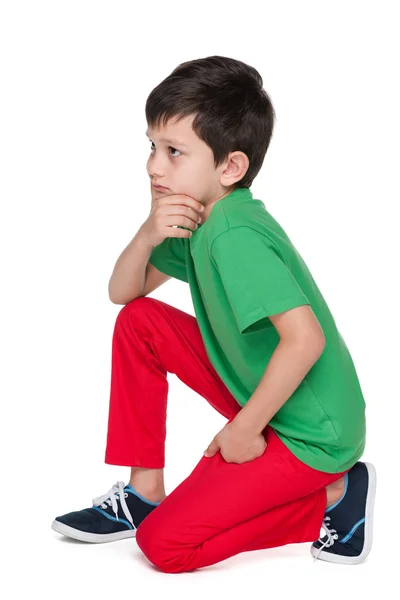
(301, 344)
(133, 274)
(129, 275)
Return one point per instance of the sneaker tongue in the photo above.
(107, 503)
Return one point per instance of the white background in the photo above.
(74, 190)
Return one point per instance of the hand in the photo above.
(237, 445)
(169, 215)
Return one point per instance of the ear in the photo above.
(235, 168)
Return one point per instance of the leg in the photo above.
(149, 483)
(152, 338)
(334, 492)
(223, 509)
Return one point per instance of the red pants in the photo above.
(220, 509)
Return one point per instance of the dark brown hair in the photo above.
(233, 111)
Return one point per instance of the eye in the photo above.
(174, 149)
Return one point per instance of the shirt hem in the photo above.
(326, 466)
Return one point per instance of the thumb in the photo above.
(212, 448)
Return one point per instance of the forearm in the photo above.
(129, 275)
(287, 367)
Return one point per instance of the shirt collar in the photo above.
(238, 194)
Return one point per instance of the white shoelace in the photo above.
(109, 498)
(331, 538)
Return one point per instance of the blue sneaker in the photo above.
(114, 516)
(348, 522)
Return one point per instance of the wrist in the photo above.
(143, 240)
(245, 425)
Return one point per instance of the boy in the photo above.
(263, 350)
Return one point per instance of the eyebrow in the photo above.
(177, 142)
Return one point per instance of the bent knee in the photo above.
(138, 308)
(159, 546)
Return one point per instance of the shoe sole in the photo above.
(96, 538)
(368, 527)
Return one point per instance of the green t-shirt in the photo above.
(241, 268)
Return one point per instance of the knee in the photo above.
(148, 540)
(154, 544)
(139, 303)
(137, 309)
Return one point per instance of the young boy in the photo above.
(263, 350)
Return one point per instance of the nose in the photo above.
(156, 167)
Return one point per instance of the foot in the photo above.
(348, 522)
(114, 516)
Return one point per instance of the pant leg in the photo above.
(150, 339)
(222, 509)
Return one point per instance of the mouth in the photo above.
(160, 188)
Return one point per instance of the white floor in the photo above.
(40, 563)
(58, 567)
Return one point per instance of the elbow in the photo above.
(313, 344)
(113, 299)
(316, 345)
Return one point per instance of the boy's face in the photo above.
(182, 162)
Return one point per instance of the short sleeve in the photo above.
(169, 257)
(255, 279)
